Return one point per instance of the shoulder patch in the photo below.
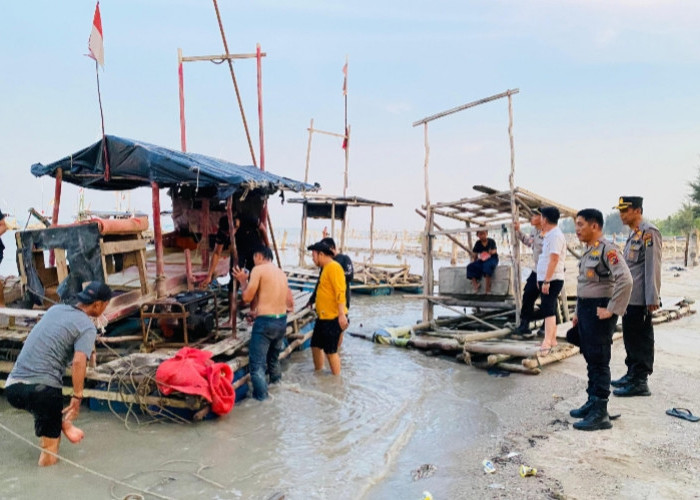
(612, 257)
(648, 239)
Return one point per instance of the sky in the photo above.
(607, 106)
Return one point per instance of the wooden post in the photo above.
(342, 232)
(333, 219)
(181, 82)
(517, 295)
(371, 236)
(158, 240)
(308, 152)
(233, 305)
(302, 236)
(188, 270)
(56, 206)
(427, 236)
(204, 230)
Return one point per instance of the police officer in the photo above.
(531, 291)
(603, 290)
(643, 257)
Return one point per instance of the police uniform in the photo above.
(643, 257)
(604, 280)
(531, 291)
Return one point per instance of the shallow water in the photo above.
(355, 436)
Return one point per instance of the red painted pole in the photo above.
(158, 240)
(181, 81)
(258, 56)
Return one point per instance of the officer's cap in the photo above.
(629, 202)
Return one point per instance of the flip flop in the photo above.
(683, 413)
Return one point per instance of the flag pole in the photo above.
(102, 121)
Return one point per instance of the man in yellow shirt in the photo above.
(331, 308)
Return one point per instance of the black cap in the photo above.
(95, 290)
(551, 214)
(629, 202)
(319, 246)
(328, 241)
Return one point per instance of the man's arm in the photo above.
(249, 288)
(218, 249)
(3, 227)
(652, 269)
(78, 370)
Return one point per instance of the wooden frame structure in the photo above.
(319, 206)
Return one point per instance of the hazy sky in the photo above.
(608, 101)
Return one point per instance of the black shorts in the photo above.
(326, 335)
(42, 401)
(548, 301)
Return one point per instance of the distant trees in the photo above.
(687, 218)
(613, 223)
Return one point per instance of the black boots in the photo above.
(622, 381)
(597, 417)
(635, 387)
(583, 411)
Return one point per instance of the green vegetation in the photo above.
(687, 218)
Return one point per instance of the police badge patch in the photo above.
(612, 257)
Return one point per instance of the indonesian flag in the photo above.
(95, 46)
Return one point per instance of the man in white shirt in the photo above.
(550, 274)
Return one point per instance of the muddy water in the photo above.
(355, 436)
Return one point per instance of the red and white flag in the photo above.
(95, 45)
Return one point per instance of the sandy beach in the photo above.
(646, 455)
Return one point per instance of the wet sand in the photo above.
(393, 410)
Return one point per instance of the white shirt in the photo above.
(554, 243)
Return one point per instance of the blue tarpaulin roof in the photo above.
(135, 164)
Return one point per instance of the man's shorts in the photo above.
(548, 301)
(326, 335)
(42, 401)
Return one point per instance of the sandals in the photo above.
(683, 413)
(545, 351)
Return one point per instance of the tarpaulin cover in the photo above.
(82, 246)
(192, 371)
(135, 164)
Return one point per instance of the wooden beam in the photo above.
(221, 57)
(466, 106)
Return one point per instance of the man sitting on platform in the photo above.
(485, 261)
(35, 383)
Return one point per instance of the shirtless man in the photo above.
(268, 286)
(63, 334)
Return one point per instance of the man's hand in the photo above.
(343, 321)
(516, 226)
(603, 313)
(652, 307)
(241, 275)
(205, 283)
(545, 288)
(72, 411)
(574, 320)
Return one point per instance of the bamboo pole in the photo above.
(514, 213)
(235, 83)
(308, 152)
(427, 236)
(347, 157)
(450, 237)
(233, 296)
(158, 241)
(512, 348)
(56, 205)
(343, 225)
(333, 219)
(302, 236)
(371, 235)
(551, 358)
(204, 229)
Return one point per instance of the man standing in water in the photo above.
(65, 332)
(330, 308)
(643, 257)
(603, 291)
(269, 289)
(531, 290)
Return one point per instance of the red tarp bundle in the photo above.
(192, 371)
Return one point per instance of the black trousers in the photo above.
(638, 334)
(530, 294)
(596, 342)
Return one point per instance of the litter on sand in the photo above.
(683, 413)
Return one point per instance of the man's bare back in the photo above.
(273, 295)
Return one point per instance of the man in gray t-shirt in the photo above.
(64, 336)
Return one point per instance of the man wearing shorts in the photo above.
(331, 308)
(550, 274)
(63, 334)
(268, 289)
